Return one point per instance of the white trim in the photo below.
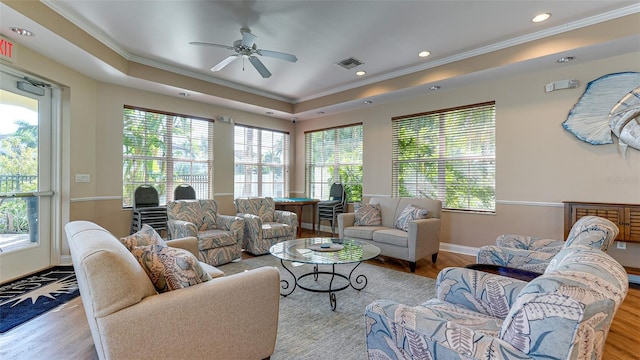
(223, 194)
(459, 249)
(96, 198)
(528, 203)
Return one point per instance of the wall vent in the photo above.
(350, 63)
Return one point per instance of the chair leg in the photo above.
(412, 266)
(434, 257)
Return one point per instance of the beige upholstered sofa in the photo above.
(421, 240)
(228, 317)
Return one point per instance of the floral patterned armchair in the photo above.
(219, 236)
(264, 225)
(534, 253)
(563, 314)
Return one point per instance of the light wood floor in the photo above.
(63, 333)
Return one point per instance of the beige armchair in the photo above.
(264, 225)
(219, 236)
(228, 317)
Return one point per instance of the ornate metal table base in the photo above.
(358, 282)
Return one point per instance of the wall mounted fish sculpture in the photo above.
(609, 104)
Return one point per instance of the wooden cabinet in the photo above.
(626, 216)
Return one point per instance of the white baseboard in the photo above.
(459, 249)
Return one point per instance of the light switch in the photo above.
(83, 178)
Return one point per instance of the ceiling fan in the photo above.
(246, 49)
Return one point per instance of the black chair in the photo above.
(147, 209)
(184, 192)
(329, 209)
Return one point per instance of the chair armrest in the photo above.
(345, 220)
(525, 242)
(286, 217)
(177, 229)
(393, 329)
(478, 291)
(252, 226)
(231, 307)
(188, 243)
(535, 261)
(231, 223)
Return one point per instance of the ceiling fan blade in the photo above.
(212, 45)
(248, 39)
(224, 62)
(277, 55)
(259, 66)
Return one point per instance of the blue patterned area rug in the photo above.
(26, 298)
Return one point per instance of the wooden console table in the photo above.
(626, 216)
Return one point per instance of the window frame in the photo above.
(337, 168)
(260, 164)
(167, 159)
(453, 160)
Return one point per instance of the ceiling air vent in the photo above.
(350, 63)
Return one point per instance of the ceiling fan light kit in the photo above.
(246, 48)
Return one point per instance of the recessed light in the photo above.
(565, 59)
(424, 53)
(367, 102)
(361, 73)
(541, 17)
(21, 31)
(435, 87)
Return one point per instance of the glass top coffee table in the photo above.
(320, 252)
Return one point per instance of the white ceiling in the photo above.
(385, 35)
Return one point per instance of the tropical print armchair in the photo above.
(264, 225)
(563, 314)
(534, 253)
(219, 236)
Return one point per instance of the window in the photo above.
(447, 155)
(334, 155)
(165, 150)
(261, 162)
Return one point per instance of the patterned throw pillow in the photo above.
(368, 215)
(144, 237)
(409, 214)
(170, 268)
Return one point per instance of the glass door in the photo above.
(26, 159)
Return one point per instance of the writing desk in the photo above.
(298, 204)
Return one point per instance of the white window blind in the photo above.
(334, 155)
(261, 162)
(447, 155)
(165, 150)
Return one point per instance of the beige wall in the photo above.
(539, 164)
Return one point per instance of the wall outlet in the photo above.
(622, 245)
(83, 178)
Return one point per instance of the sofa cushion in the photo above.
(275, 230)
(144, 237)
(170, 268)
(409, 214)
(362, 232)
(212, 239)
(392, 237)
(368, 215)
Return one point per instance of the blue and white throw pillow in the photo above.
(368, 215)
(409, 214)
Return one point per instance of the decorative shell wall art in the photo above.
(609, 104)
